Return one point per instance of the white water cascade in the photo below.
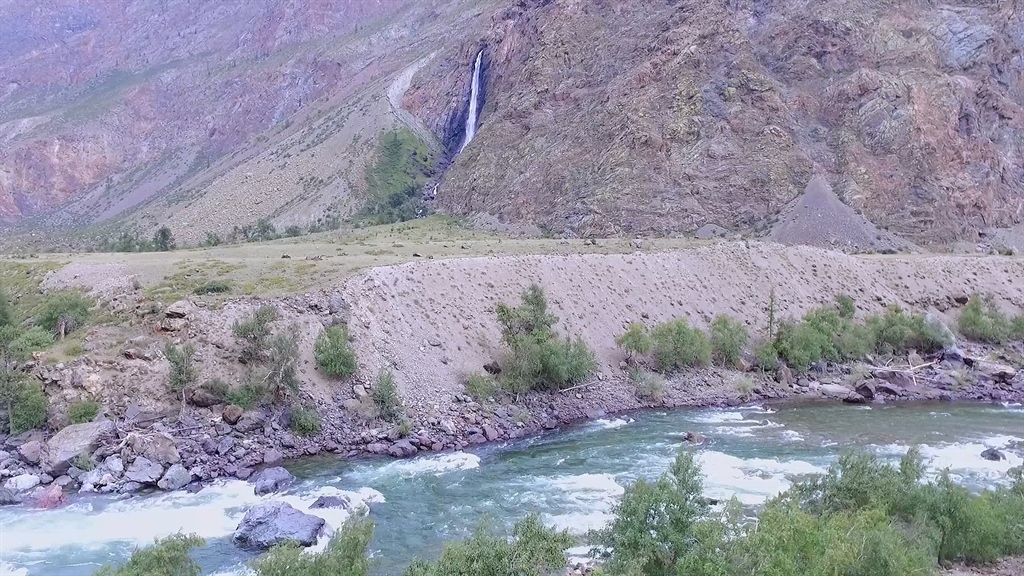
(474, 102)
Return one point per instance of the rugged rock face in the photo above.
(660, 117)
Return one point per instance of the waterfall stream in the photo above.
(474, 102)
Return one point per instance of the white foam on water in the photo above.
(792, 436)
(613, 423)
(335, 517)
(591, 497)
(751, 481)
(719, 417)
(9, 570)
(434, 465)
(962, 459)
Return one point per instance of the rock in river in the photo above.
(993, 455)
(144, 471)
(266, 525)
(176, 477)
(272, 480)
(72, 441)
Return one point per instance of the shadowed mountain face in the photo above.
(600, 117)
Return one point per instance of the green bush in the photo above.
(896, 332)
(6, 310)
(536, 358)
(650, 387)
(163, 240)
(84, 411)
(213, 287)
(534, 550)
(167, 557)
(305, 421)
(982, 321)
(27, 408)
(292, 231)
(283, 364)
(212, 239)
(481, 387)
(385, 396)
(677, 345)
(345, 555)
(183, 371)
(656, 522)
(63, 312)
(766, 357)
(83, 462)
(728, 338)
(635, 341)
(32, 340)
(250, 393)
(402, 165)
(1017, 327)
(254, 331)
(846, 306)
(333, 353)
(803, 344)
(217, 387)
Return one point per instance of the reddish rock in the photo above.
(50, 497)
(232, 414)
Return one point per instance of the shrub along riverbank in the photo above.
(862, 518)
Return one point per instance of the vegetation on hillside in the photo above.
(537, 359)
(334, 355)
(402, 166)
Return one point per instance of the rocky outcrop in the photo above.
(72, 441)
(176, 477)
(144, 471)
(266, 525)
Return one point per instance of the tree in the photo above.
(635, 340)
(163, 240)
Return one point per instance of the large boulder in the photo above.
(895, 377)
(266, 525)
(22, 483)
(144, 471)
(250, 422)
(996, 372)
(177, 476)
(158, 447)
(50, 497)
(866, 390)
(32, 452)
(203, 398)
(836, 390)
(180, 309)
(9, 497)
(340, 502)
(402, 449)
(271, 480)
(72, 441)
(993, 455)
(232, 413)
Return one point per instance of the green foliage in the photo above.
(213, 287)
(534, 550)
(183, 370)
(635, 341)
(212, 239)
(63, 312)
(32, 340)
(167, 557)
(536, 358)
(766, 357)
(127, 241)
(217, 387)
(27, 407)
(804, 343)
(305, 421)
(252, 392)
(677, 345)
(981, 320)
(1017, 327)
(728, 338)
(896, 332)
(655, 522)
(825, 333)
(401, 167)
(846, 306)
(261, 231)
(345, 555)
(292, 231)
(283, 363)
(333, 353)
(163, 240)
(650, 387)
(385, 396)
(7, 317)
(481, 387)
(254, 331)
(84, 411)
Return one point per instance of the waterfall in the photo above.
(474, 102)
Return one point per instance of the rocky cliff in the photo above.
(600, 117)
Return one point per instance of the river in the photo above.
(573, 478)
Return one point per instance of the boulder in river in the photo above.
(174, 478)
(993, 455)
(50, 497)
(266, 525)
(271, 480)
(144, 471)
(8, 497)
(835, 390)
(340, 502)
(72, 441)
(866, 390)
(693, 438)
(402, 449)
